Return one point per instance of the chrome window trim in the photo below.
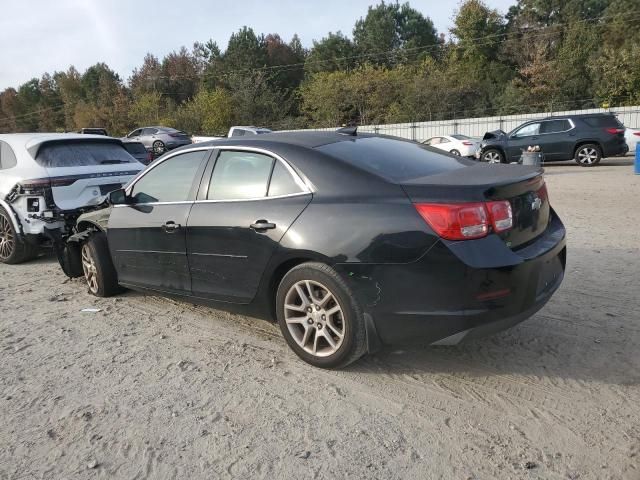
(305, 186)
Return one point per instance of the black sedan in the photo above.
(349, 240)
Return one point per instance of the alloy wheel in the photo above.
(314, 318)
(492, 157)
(89, 269)
(588, 155)
(7, 238)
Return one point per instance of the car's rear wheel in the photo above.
(588, 155)
(319, 317)
(492, 156)
(455, 152)
(158, 147)
(12, 250)
(99, 272)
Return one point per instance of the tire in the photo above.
(99, 272)
(12, 250)
(492, 155)
(455, 152)
(158, 147)
(588, 155)
(70, 260)
(311, 334)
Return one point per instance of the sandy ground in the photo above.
(152, 388)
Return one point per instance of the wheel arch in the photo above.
(583, 142)
(499, 148)
(17, 226)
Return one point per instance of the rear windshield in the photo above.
(81, 154)
(460, 137)
(602, 121)
(135, 148)
(394, 160)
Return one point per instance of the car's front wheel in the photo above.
(319, 317)
(12, 250)
(99, 272)
(492, 155)
(588, 155)
(158, 147)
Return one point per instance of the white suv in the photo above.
(48, 179)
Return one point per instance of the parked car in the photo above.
(47, 180)
(586, 138)
(632, 137)
(241, 131)
(138, 151)
(159, 139)
(94, 131)
(200, 139)
(456, 144)
(350, 240)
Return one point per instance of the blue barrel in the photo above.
(637, 165)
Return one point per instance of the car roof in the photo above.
(302, 138)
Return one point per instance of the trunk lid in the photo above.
(522, 186)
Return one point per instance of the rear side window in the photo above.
(555, 126)
(605, 121)
(282, 182)
(240, 176)
(7, 156)
(170, 181)
(82, 154)
(394, 160)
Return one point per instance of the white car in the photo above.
(250, 130)
(456, 144)
(48, 179)
(632, 137)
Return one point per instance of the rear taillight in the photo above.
(614, 131)
(456, 221)
(637, 134)
(468, 144)
(466, 221)
(501, 215)
(46, 182)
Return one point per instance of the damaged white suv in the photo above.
(47, 180)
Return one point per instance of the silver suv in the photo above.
(159, 139)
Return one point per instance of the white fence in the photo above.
(476, 127)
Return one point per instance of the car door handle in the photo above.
(262, 225)
(170, 226)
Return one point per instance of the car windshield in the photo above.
(461, 137)
(80, 154)
(394, 160)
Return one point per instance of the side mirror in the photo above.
(118, 197)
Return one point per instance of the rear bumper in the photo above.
(453, 293)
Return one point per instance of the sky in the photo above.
(39, 36)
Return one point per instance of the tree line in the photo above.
(394, 67)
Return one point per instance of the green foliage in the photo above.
(542, 55)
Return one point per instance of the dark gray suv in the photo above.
(159, 139)
(584, 138)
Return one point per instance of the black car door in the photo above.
(147, 236)
(247, 201)
(520, 139)
(557, 139)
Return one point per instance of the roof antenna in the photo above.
(353, 131)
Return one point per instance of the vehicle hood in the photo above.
(99, 218)
(495, 135)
